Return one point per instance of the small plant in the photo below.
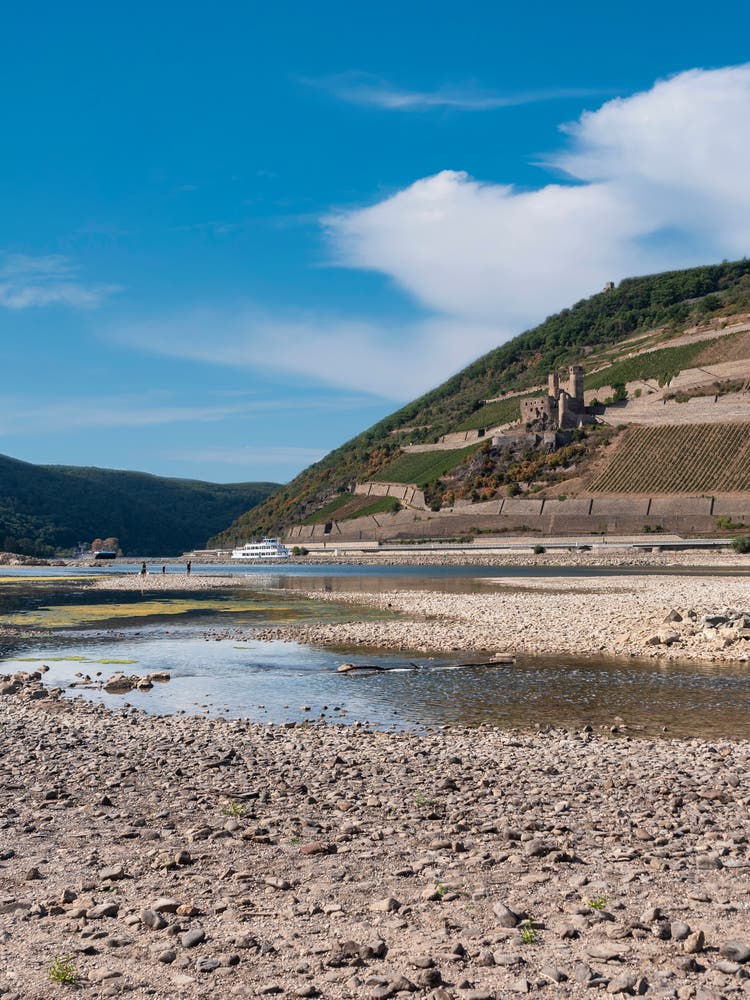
(421, 800)
(741, 544)
(528, 934)
(598, 902)
(539, 550)
(442, 889)
(63, 971)
(234, 809)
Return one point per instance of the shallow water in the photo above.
(272, 681)
(96, 633)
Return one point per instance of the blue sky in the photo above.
(234, 235)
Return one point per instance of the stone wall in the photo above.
(409, 495)
(575, 516)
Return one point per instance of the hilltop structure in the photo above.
(560, 409)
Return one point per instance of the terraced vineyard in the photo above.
(421, 468)
(347, 506)
(698, 458)
(502, 411)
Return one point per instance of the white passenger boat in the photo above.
(266, 548)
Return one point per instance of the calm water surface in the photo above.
(240, 676)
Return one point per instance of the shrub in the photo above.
(539, 550)
(63, 971)
(741, 544)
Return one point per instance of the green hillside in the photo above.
(47, 509)
(671, 302)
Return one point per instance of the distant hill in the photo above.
(48, 509)
(662, 305)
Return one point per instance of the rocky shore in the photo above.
(191, 857)
(675, 616)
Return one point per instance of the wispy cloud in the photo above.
(247, 454)
(19, 417)
(374, 92)
(50, 279)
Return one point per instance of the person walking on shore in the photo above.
(143, 569)
(189, 567)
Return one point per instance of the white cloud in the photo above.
(661, 182)
(50, 279)
(371, 91)
(655, 181)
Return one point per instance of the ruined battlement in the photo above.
(562, 407)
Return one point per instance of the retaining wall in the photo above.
(575, 516)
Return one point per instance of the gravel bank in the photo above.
(627, 616)
(184, 857)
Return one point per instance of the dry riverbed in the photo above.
(190, 857)
(696, 617)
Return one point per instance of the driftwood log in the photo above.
(358, 668)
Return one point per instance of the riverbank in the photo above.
(187, 857)
(701, 617)
(674, 616)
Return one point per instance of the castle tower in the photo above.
(554, 385)
(576, 383)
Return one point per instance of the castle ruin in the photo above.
(560, 409)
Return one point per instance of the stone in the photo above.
(103, 910)
(113, 874)
(505, 917)
(165, 904)
(520, 985)
(152, 919)
(735, 951)
(387, 905)
(694, 943)
(679, 930)
(624, 983)
(193, 937)
(605, 952)
(206, 964)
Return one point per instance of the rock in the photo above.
(166, 957)
(679, 930)
(553, 974)
(735, 951)
(605, 952)
(193, 937)
(624, 983)
(113, 874)
(101, 975)
(206, 964)
(152, 919)
(165, 904)
(694, 943)
(388, 905)
(505, 917)
(520, 985)
(102, 910)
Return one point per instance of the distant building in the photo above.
(560, 408)
(609, 287)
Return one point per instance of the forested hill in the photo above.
(670, 303)
(49, 509)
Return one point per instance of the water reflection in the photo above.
(273, 681)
